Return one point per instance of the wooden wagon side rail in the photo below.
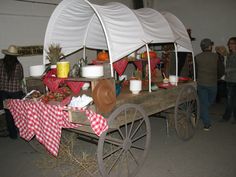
(152, 103)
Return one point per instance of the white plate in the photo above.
(92, 77)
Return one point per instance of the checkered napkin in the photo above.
(53, 83)
(75, 86)
(153, 62)
(120, 66)
(46, 121)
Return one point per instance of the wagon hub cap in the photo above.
(127, 144)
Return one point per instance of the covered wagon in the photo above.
(79, 24)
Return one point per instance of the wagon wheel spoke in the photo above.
(182, 108)
(132, 123)
(182, 111)
(121, 134)
(112, 152)
(133, 157)
(137, 128)
(137, 147)
(181, 114)
(188, 104)
(128, 130)
(126, 126)
(193, 113)
(127, 162)
(191, 105)
(113, 141)
(139, 137)
(114, 163)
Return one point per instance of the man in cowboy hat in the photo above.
(11, 76)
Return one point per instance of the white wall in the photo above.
(23, 24)
(214, 19)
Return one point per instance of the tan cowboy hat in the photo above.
(104, 95)
(12, 50)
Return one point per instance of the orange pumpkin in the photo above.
(103, 56)
(151, 53)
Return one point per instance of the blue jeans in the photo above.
(231, 101)
(207, 97)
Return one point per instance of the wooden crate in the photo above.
(35, 83)
(80, 117)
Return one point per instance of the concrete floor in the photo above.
(207, 154)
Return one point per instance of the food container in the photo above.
(36, 70)
(63, 69)
(165, 80)
(135, 86)
(173, 79)
(92, 71)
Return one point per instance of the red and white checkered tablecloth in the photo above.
(46, 122)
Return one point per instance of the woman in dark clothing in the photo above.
(230, 78)
(11, 76)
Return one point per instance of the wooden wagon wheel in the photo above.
(123, 148)
(186, 112)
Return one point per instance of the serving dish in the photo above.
(92, 71)
(165, 85)
(184, 79)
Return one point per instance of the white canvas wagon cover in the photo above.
(76, 24)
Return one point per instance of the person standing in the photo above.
(207, 66)
(230, 78)
(221, 85)
(11, 76)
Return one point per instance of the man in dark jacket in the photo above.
(207, 65)
(11, 76)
